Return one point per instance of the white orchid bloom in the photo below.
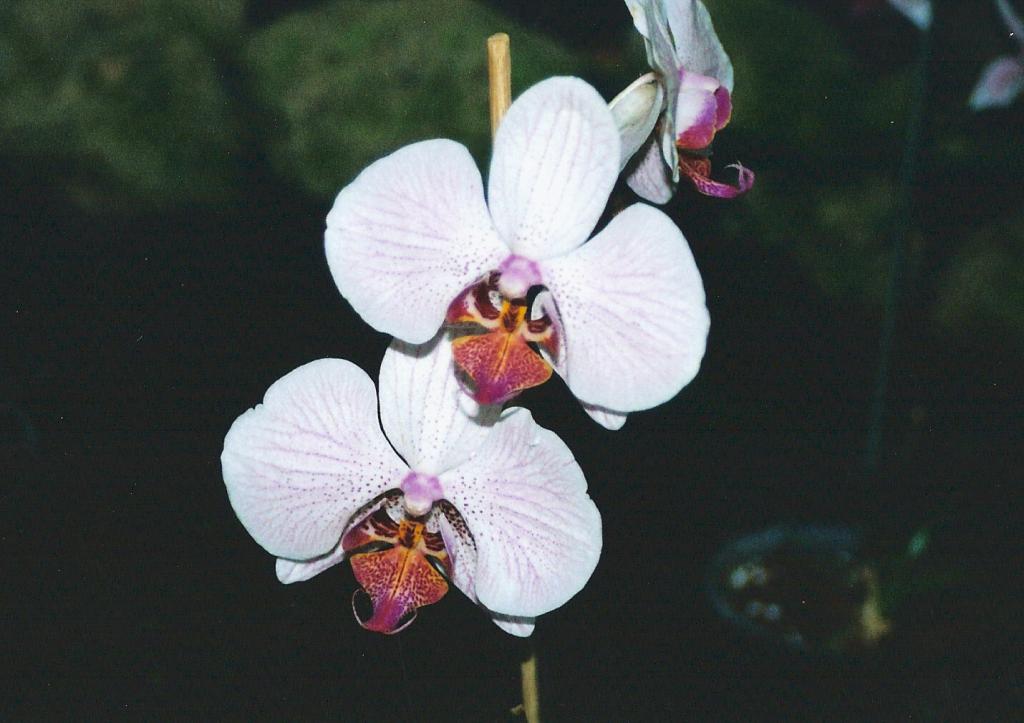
(411, 242)
(494, 503)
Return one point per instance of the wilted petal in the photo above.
(1000, 83)
(425, 414)
(555, 160)
(631, 303)
(650, 179)
(919, 12)
(298, 466)
(524, 499)
(408, 234)
(698, 170)
(636, 110)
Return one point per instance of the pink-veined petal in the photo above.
(289, 571)
(636, 110)
(298, 466)
(697, 47)
(408, 234)
(537, 532)
(462, 553)
(919, 12)
(650, 177)
(631, 303)
(555, 160)
(430, 421)
(1000, 83)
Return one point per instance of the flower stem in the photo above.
(531, 694)
(900, 228)
(499, 77)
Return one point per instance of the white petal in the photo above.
(430, 421)
(537, 533)
(650, 179)
(697, 46)
(289, 571)
(408, 234)
(649, 20)
(605, 417)
(556, 156)
(638, 10)
(521, 627)
(919, 12)
(298, 466)
(1000, 83)
(636, 110)
(631, 303)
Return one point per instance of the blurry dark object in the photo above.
(805, 586)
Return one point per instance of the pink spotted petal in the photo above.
(698, 171)
(425, 414)
(632, 307)
(1000, 83)
(555, 160)
(537, 532)
(408, 234)
(298, 466)
(650, 178)
(636, 110)
(462, 553)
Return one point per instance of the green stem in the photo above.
(900, 227)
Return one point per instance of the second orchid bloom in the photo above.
(488, 501)
(412, 243)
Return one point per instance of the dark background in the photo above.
(144, 311)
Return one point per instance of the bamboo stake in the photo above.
(499, 78)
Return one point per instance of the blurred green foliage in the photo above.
(349, 82)
(142, 105)
(129, 95)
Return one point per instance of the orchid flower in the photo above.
(493, 503)
(685, 101)
(412, 243)
(919, 12)
(1002, 80)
